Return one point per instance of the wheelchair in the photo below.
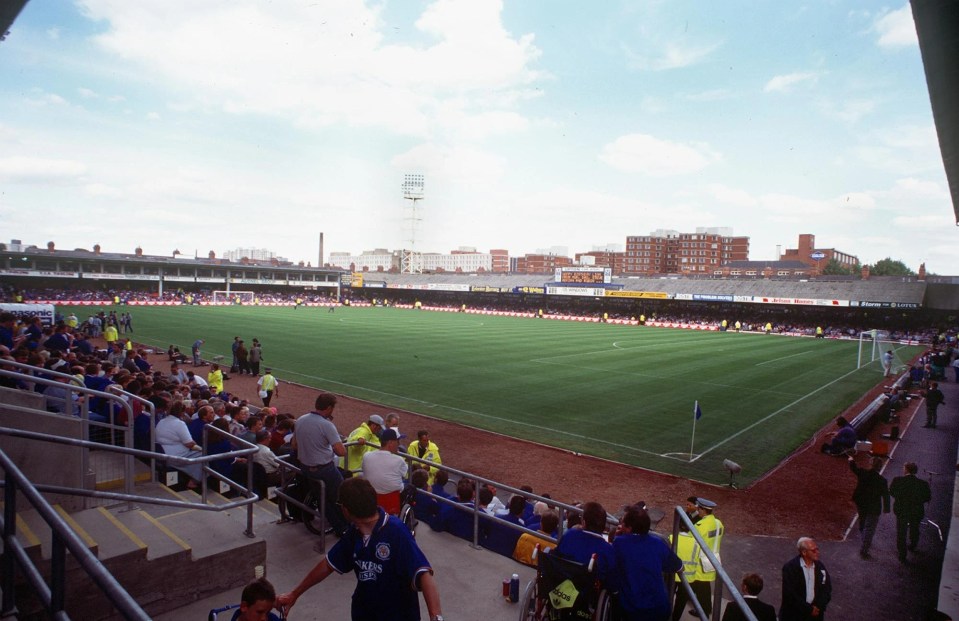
(564, 590)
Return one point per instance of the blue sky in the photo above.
(198, 126)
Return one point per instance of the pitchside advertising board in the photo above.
(25, 312)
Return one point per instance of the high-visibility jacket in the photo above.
(711, 530)
(688, 552)
(430, 453)
(354, 454)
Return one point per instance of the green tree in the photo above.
(890, 267)
(835, 268)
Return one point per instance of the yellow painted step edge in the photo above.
(123, 528)
(28, 534)
(166, 531)
(87, 539)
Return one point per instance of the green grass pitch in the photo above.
(623, 393)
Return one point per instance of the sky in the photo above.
(199, 126)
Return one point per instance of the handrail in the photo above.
(64, 538)
(127, 396)
(680, 517)
(249, 449)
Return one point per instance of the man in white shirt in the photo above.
(385, 470)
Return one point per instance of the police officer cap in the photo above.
(376, 419)
(705, 504)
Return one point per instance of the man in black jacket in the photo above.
(807, 586)
(934, 398)
(751, 587)
(911, 494)
(872, 499)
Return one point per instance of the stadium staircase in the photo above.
(165, 546)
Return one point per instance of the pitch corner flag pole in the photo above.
(697, 413)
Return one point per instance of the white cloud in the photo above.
(732, 196)
(905, 149)
(22, 169)
(328, 64)
(102, 190)
(152, 116)
(912, 187)
(649, 155)
(667, 55)
(40, 99)
(849, 110)
(53, 33)
(716, 94)
(454, 165)
(896, 28)
(785, 83)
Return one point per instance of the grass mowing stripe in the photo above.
(772, 415)
(632, 402)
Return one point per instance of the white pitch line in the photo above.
(802, 353)
(671, 343)
(777, 412)
(479, 414)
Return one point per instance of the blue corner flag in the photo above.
(697, 411)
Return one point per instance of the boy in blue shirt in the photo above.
(390, 568)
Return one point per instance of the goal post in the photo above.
(873, 344)
(233, 297)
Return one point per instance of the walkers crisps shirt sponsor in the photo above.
(386, 565)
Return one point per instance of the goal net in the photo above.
(233, 297)
(876, 347)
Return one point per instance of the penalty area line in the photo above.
(430, 404)
(776, 413)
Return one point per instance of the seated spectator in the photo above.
(842, 440)
(438, 487)
(425, 508)
(582, 542)
(174, 437)
(528, 511)
(280, 437)
(499, 537)
(267, 458)
(205, 416)
(517, 507)
(459, 522)
(220, 443)
(523, 552)
(495, 506)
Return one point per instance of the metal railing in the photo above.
(723, 579)
(64, 539)
(16, 482)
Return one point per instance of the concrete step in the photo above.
(164, 556)
(30, 521)
(28, 538)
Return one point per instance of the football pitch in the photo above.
(623, 393)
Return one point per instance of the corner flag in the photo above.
(697, 414)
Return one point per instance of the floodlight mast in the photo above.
(413, 191)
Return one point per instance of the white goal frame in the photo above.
(229, 297)
(873, 344)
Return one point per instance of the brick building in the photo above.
(818, 258)
(672, 252)
(616, 261)
(539, 263)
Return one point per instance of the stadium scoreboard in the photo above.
(584, 275)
